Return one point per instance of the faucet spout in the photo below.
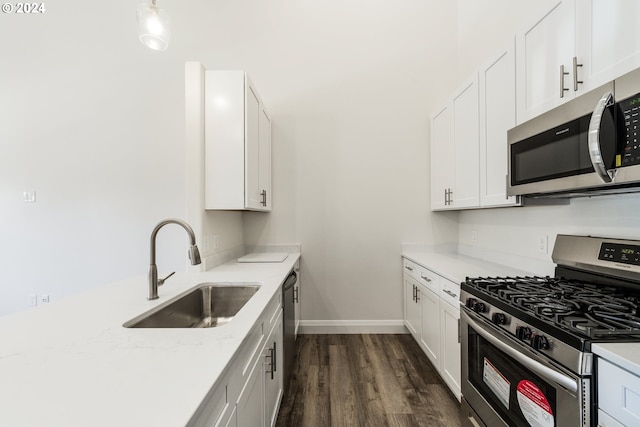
(194, 253)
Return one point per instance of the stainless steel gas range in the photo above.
(526, 341)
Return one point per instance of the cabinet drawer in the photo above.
(250, 351)
(619, 393)
(271, 312)
(429, 279)
(411, 268)
(219, 403)
(450, 292)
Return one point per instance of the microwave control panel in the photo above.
(630, 154)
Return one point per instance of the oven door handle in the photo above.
(543, 370)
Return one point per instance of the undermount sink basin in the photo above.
(207, 306)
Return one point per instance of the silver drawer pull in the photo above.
(408, 268)
(425, 278)
(451, 294)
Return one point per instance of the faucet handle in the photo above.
(161, 281)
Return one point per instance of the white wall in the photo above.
(94, 122)
(351, 164)
(512, 234)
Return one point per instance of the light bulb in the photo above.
(153, 26)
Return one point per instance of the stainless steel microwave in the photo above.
(587, 146)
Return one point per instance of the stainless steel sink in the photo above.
(207, 306)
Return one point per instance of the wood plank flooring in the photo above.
(365, 380)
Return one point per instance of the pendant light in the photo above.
(153, 26)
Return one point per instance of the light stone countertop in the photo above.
(72, 363)
(456, 267)
(626, 355)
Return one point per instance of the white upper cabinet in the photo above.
(607, 39)
(576, 46)
(545, 66)
(455, 151)
(237, 144)
(466, 146)
(442, 178)
(497, 81)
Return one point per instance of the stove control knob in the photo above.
(479, 307)
(523, 333)
(499, 318)
(471, 303)
(539, 342)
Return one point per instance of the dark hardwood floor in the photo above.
(365, 380)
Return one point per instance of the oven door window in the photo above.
(518, 395)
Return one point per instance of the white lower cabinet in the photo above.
(618, 395)
(250, 392)
(272, 374)
(412, 311)
(430, 336)
(450, 340)
(432, 315)
(250, 403)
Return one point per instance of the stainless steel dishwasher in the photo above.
(289, 326)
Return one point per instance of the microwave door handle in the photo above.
(595, 153)
(543, 370)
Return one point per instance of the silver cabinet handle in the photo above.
(594, 138)
(576, 82)
(562, 74)
(451, 294)
(263, 193)
(414, 297)
(417, 295)
(275, 358)
(408, 267)
(473, 421)
(425, 278)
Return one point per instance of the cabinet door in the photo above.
(430, 336)
(541, 49)
(412, 311)
(252, 148)
(497, 81)
(264, 167)
(450, 340)
(250, 403)
(466, 146)
(442, 157)
(607, 40)
(273, 374)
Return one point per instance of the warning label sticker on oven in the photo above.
(496, 382)
(534, 405)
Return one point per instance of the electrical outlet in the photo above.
(33, 300)
(216, 241)
(207, 243)
(543, 244)
(29, 196)
(44, 299)
(474, 236)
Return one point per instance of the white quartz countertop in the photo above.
(456, 267)
(72, 363)
(626, 355)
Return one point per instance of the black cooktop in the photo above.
(586, 309)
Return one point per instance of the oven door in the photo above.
(506, 383)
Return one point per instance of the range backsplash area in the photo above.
(523, 237)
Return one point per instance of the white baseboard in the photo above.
(353, 327)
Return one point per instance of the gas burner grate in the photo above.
(586, 308)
